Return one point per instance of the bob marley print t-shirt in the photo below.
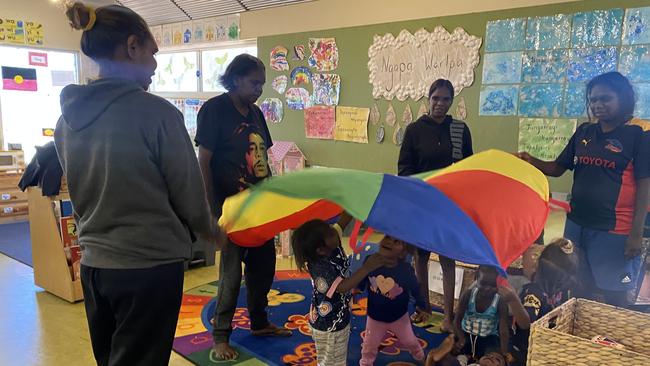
(238, 144)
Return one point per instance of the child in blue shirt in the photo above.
(390, 288)
(317, 250)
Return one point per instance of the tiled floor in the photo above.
(37, 328)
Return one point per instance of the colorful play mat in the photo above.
(288, 305)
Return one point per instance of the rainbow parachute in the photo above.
(486, 209)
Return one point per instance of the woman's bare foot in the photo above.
(272, 330)
(224, 352)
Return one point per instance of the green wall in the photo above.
(487, 132)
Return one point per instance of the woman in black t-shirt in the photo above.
(610, 158)
(233, 140)
(435, 141)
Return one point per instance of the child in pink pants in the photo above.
(389, 290)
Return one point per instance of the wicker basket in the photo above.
(563, 336)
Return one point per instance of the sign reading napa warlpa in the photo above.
(404, 67)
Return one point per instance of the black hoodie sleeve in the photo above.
(406, 161)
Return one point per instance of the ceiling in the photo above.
(171, 11)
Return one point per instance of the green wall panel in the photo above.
(487, 132)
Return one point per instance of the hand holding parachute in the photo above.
(486, 209)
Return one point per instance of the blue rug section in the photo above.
(297, 349)
(15, 242)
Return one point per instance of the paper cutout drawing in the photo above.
(278, 58)
(324, 54)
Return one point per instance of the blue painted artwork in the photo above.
(637, 26)
(543, 33)
(502, 68)
(643, 101)
(541, 100)
(634, 62)
(505, 35)
(574, 100)
(597, 28)
(545, 66)
(585, 63)
(499, 100)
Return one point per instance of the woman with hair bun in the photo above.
(136, 188)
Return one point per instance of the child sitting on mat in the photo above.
(553, 282)
(390, 288)
(317, 250)
(481, 325)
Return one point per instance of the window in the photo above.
(23, 122)
(176, 72)
(215, 62)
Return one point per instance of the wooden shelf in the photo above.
(51, 271)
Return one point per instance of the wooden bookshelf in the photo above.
(51, 271)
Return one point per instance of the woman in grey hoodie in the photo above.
(136, 188)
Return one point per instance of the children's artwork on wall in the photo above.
(177, 34)
(209, 29)
(199, 33)
(551, 32)
(643, 100)
(505, 35)
(156, 32)
(278, 58)
(188, 32)
(540, 100)
(502, 68)
(299, 52)
(167, 35)
(324, 54)
(545, 138)
(407, 116)
(300, 75)
(221, 29)
(297, 98)
(272, 109)
(233, 27)
(375, 115)
(634, 62)
(574, 100)
(352, 124)
(326, 89)
(636, 26)
(548, 66)
(319, 122)
(391, 117)
(424, 109)
(279, 83)
(381, 133)
(461, 109)
(404, 67)
(499, 100)
(597, 28)
(585, 63)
